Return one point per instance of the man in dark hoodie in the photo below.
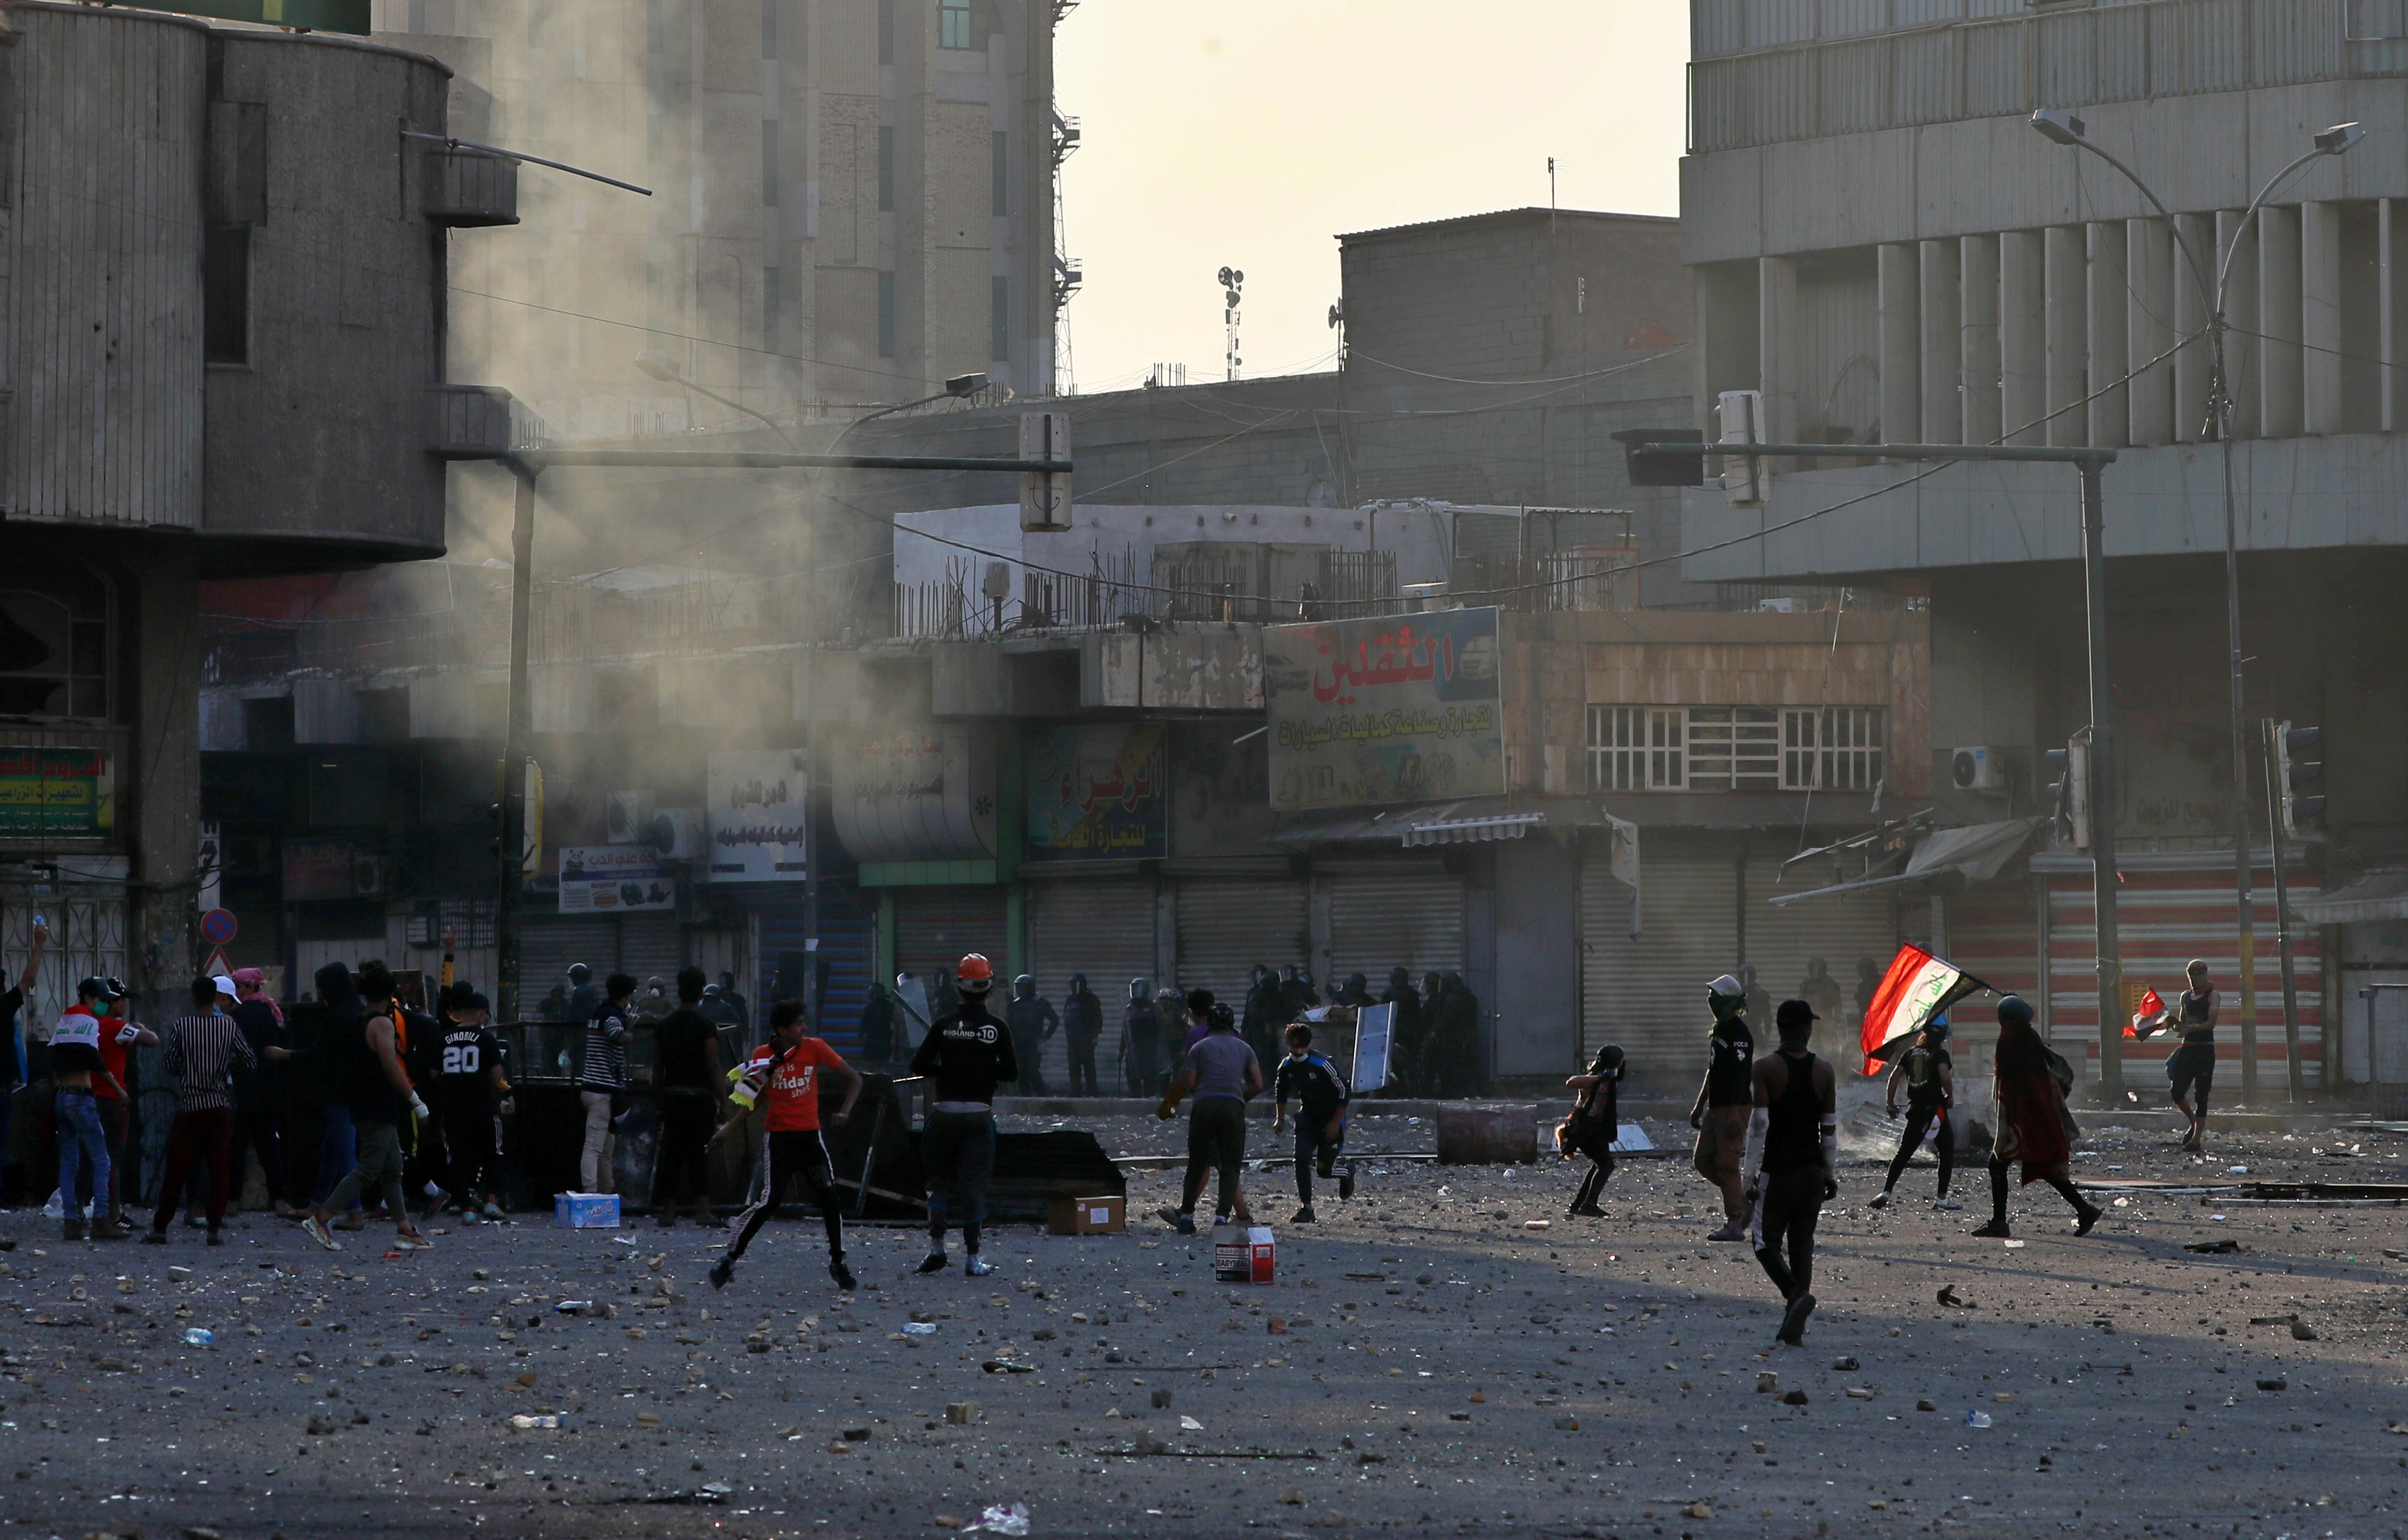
(1083, 1028)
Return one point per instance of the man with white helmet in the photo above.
(1724, 1103)
(966, 1053)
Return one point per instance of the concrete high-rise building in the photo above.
(852, 200)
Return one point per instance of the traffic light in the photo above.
(2069, 795)
(2292, 774)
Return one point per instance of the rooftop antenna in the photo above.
(1551, 197)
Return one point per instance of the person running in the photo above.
(1321, 1098)
(472, 1083)
(966, 1053)
(2192, 1066)
(1223, 1074)
(1930, 1092)
(1595, 1124)
(2029, 1089)
(1793, 1138)
(685, 1077)
(363, 1071)
(204, 1051)
(785, 1073)
(1083, 1028)
(75, 1064)
(1720, 1113)
(602, 1079)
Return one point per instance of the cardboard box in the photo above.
(1245, 1260)
(585, 1210)
(1087, 1216)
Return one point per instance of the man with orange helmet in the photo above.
(966, 1052)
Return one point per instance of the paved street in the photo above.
(1425, 1363)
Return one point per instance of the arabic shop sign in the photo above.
(612, 879)
(57, 791)
(1099, 793)
(1404, 709)
(756, 813)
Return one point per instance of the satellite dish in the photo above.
(1238, 278)
(1225, 277)
(1336, 317)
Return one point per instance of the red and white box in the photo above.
(1249, 1260)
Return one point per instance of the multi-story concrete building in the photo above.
(1887, 250)
(221, 353)
(852, 200)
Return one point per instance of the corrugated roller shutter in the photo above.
(549, 945)
(1410, 918)
(651, 946)
(1813, 950)
(1227, 924)
(1649, 995)
(1103, 928)
(933, 926)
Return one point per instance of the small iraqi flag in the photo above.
(1917, 987)
(2151, 1009)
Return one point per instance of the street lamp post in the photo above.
(2063, 128)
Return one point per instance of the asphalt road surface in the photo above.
(1425, 1363)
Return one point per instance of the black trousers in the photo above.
(681, 1171)
(1216, 1141)
(957, 1157)
(1595, 1140)
(1789, 1204)
(789, 1156)
(256, 1130)
(475, 1169)
(1083, 1068)
(1918, 1122)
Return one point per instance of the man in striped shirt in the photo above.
(204, 1049)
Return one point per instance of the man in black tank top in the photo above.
(1792, 1145)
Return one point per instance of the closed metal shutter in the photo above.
(934, 927)
(1103, 928)
(651, 946)
(1227, 924)
(1649, 995)
(1410, 917)
(1814, 950)
(549, 945)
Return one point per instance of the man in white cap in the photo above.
(1724, 1103)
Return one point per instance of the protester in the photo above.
(470, 1084)
(966, 1053)
(784, 1077)
(686, 1082)
(114, 1097)
(1931, 1091)
(364, 1069)
(259, 1090)
(1223, 1074)
(77, 1064)
(1793, 1141)
(321, 1073)
(1322, 1097)
(1592, 1125)
(2191, 1067)
(1197, 1016)
(1032, 1021)
(13, 1063)
(602, 1080)
(1720, 1113)
(1083, 1028)
(2029, 1085)
(205, 1050)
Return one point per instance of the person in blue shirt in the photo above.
(1322, 1095)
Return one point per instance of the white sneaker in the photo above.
(1949, 1204)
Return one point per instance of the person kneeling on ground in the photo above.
(1322, 1099)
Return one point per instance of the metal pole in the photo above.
(2282, 930)
(2102, 791)
(514, 737)
(2220, 397)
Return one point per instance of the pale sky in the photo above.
(1249, 132)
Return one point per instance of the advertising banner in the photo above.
(756, 807)
(613, 880)
(1402, 709)
(57, 791)
(1099, 793)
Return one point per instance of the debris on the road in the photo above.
(2213, 1248)
(1010, 1519)
(2302, 1331)
(526, 1422)
(962, 1412)
(1949, 1296)
(1978, 1419)
(2275, 1382)
(1794, 1398)
(1845, 1365)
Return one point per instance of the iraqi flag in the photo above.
(2145, 1020)
(1917, 987)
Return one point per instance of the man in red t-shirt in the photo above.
(785, 1076)
(105, 997)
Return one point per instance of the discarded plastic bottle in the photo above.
(1977, 1419)
(199, 1336)
(572, 1307)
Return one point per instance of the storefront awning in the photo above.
(1977, 853)
(1474, 821)
(2376, 895)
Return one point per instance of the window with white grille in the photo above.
(1734, 748)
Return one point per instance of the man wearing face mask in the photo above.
(1720, 1113)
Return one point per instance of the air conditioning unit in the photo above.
(1981, 768)
(626, 815)
(676, 833)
